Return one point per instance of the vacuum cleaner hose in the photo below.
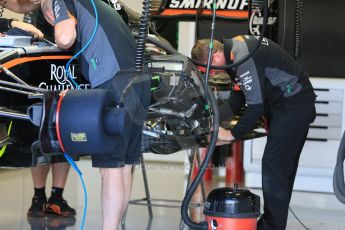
(198, 178)
(338, 176)
(143, 31)
(297, 28)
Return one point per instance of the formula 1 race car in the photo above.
(31, 68)
(33, 75)
(34, 71)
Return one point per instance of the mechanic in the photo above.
(273, 85)
(6, 25)
(55, 205)
(108, 63)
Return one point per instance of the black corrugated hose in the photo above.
(338, 176)
(297, 28)
(143, 31)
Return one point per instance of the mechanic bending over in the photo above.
(108, 63)
(273, 85)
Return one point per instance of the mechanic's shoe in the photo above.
(58, 222)
(37, 208)
(37, 223)
(4, 138)
(59, 208)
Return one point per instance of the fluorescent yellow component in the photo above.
(3, 149)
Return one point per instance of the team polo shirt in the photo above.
(270, 76)
(113, 46)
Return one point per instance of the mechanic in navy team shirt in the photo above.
(108, 63)
(273, 85)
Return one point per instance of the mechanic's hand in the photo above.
(225, 135)
(27, 27)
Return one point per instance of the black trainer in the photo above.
(37, 223)
(59, 208)
(38, 207)
(59, 223)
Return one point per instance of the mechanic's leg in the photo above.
(288, 131)
(59, 174)
(56, 204)
(39, 178)
(279, 166)
(127, 182)
(113, 196)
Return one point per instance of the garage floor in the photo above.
(167, 181)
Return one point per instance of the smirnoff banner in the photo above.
(231, 9)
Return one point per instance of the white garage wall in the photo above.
(136, 5)
(10, 14)
(186, 42)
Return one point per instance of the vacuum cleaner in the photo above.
(232, 208)
(226, 208)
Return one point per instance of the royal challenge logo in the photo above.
(60, 81)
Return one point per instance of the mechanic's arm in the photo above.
(27, 27)
(229, 108)
(7, 24)
(64, 25)
(22, 6)
(251, 87)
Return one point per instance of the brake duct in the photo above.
(78, 122)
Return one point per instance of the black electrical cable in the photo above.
(210, 53)
(338, 176)
(299, 221)
(233, 65)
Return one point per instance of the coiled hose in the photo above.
(297, 28)
(338, 176)
(143, 31)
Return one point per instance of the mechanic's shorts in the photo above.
(61, 158)
(136, 101)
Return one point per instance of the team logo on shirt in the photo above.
(115, 4)
(263, 42)
(56, 9)
(246, 80)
